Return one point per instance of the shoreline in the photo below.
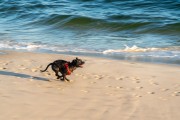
(103, 89)
(101, 56)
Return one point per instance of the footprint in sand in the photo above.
(153, 83)
(108, 86)
(40, 66)
(47, 74)
(136, 82)
(98, 77)
(84, 91)
(121, 78)
(7, 63)
(139, 87)
(20, 65)
(137, 95)
(79, 75)
(165, 89)
(34, 70)
(118, 87)
(136, 78)
(93, 82)
(151, 92)
(82, 76)
(177, 93)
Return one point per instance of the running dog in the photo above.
(64, 67)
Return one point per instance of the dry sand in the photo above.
(102, 90)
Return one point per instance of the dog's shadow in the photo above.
(21, 75)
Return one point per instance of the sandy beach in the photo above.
(103, 89)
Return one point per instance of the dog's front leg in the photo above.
(66, 78)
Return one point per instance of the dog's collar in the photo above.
(67, 68)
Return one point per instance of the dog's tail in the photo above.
(46, 67)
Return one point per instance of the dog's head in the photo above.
(77, 62)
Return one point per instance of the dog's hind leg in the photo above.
(56, 72)
(63, 78)
(58, 76)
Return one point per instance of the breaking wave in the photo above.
(134, 48)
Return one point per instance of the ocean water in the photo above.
(135, 30)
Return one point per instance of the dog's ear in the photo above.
(76, 58)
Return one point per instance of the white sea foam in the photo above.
(32, 47)
(134, 52)
(20, 46)
(35, 46)
(134, 48)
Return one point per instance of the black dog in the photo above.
(64, 67)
